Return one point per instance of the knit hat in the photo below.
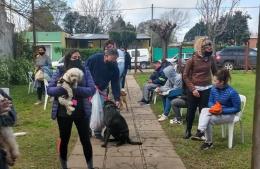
(200, 45)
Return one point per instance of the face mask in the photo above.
(75, 64)
(110, 64)
(207, 54)
(41, 53)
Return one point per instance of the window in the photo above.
(252, 53)
(133, 53)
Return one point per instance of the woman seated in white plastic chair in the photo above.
(171, 89)
(224, 103)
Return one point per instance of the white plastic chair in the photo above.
(230, 126)
(45, 95)
(31, 82)
(155, 94)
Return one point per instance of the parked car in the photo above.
(184, 56)
(57, 63)
(234, 58)
(143, 57)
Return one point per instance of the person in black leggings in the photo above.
(80, 116)
(198, 78)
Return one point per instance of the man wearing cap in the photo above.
(156, 79)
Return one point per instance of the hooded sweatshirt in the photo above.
(174, 79)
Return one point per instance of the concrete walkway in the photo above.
(156, 152)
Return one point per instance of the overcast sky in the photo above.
(139, 15)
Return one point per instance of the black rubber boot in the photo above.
(187, 134)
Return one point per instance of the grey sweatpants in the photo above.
(206, 120)
(177, 104)
(147, 88)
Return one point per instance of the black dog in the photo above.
(115, 125)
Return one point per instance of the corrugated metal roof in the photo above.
(88, 36)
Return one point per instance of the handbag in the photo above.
(39, 75)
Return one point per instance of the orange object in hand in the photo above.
(216, 109)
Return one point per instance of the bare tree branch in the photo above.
(179, 17)
(211, 13)
(101, 9)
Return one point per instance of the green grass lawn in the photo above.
(38, 147)
(220, 156)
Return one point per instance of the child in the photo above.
(224, 103)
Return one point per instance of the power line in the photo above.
(194, 8)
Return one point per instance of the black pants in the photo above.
(40, 90)
(65, 126)
(3, 164)
(193, 103)
(123, 80)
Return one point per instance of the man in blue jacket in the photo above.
(104, 69)
(156, 79)
(6, 120)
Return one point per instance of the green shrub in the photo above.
(5, 74)
(19, 69)
(85, 53)
(14, 71)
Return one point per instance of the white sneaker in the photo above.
(163, 117)
(175, 121)
(38, 102)
(160, 115)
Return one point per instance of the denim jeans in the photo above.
(167, 100)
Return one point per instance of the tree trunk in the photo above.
(214, 45)
(255, 162)
(165, 47)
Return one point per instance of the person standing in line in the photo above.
(197, 76)
(104, 70)
(80, 116)
(127, 66)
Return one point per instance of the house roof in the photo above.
(88, 36)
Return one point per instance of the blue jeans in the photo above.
(167, 100)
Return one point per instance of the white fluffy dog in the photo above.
(8, 142)
(69, 80)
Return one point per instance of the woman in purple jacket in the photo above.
(230, 105)
(82, 113)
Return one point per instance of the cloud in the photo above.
(139, 15)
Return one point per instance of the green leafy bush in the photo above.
(5, 74)
(14, 71)
(85, 53)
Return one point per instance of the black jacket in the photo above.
(6, 120)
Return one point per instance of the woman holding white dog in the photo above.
(81, 115)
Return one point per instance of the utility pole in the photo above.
(33, 26)
(255, 162)
(10, 15)
(151, 45)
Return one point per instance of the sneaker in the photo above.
(99, 137)
(175, 121)
(160, 115)
(206, 146)
(198, 136)
(143, 103)
(38, 102)
(142, 100)
(163, 117)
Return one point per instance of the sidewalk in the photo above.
(156, 152)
